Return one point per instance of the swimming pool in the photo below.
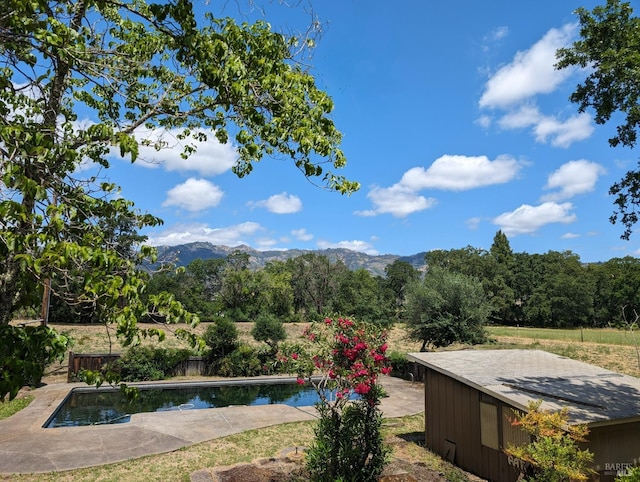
(107, 405)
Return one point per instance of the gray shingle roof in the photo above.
(593, 395)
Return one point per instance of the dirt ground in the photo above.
(289, 467)
(277, 470)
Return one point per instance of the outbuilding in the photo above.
(471, 396)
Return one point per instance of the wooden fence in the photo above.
(194, 365)
(87, 361)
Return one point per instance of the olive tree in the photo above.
(446, 307)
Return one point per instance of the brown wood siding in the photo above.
(452, 413)
(614, 446)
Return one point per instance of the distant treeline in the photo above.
(554, 289)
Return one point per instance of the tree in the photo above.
(314, 280)
(616, 290)
(398, 275)
(221, 337)
(358, 295)
(196, 286)
(492, 268)
(609, 45)
(562, 295)
(446, 308)
(80, 79)
(270, 330)
(279, 291)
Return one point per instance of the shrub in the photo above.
(632, 475)
(144, 363)
(401, 366)
(269, 329)
(348, 442)
(289, 359)
(221, 337)
(242, 362)
(554, 455)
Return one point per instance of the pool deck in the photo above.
(26, 447)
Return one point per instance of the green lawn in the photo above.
(609, 336)
(8, 408)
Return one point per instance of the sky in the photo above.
(455, 123)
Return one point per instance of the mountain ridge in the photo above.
(183, 254)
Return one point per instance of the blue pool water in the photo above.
(91, 406)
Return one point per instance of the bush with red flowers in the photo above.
(348, 444)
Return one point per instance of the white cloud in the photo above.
(302, 235)
(493, 37)
(355, 245)
(531, 72)
(521, 117)
(282, 203)
(545, 128)
(564, 133)
(513, 89)
(569, 236)
(194, 195)
(573, 178)
(396, 200)
(460, 173)
(265, 244)
(473, 223)
(211, 157)
(528, 219)
(449, 172)
(497, 34)
(189, 233)
(484, 121)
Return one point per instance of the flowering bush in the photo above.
(555, 454)
(348, 445)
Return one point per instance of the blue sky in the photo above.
(455, 123)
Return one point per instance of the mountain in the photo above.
(183, 254)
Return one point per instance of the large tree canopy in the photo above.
(85, 81)
(82, 80)
(610, 48)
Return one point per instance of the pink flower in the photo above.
(384, 347)
(378, 357)
(339, 395)
(360, 346)
(300, 381)
(362, 389)
(328, 321)
(385, 370)
(294, 356)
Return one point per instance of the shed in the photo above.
(470, 395)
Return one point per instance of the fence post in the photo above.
(69, 367)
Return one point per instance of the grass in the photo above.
(609, 336)
(8, 408)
